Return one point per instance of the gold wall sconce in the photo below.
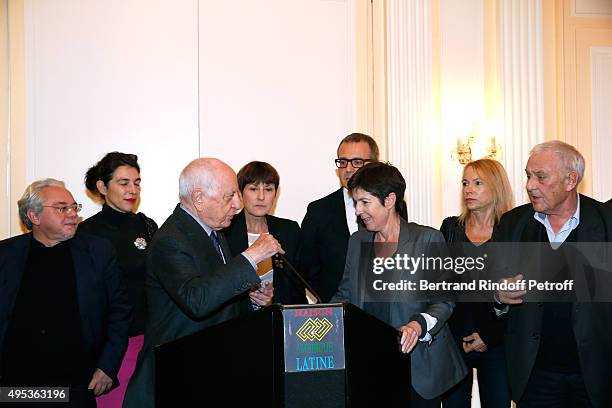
(467, 145)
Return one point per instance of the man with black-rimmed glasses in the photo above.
(64, 312)
(331, 220)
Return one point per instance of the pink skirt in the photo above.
(114, 399)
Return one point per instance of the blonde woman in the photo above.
(486, 195)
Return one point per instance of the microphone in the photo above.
(301, 279)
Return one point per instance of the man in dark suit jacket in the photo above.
(558, 353)
(192, 280)
(65, 314)
(330, 221)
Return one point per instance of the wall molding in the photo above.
(410, 103)
(601, 91)
(522, 85)
(13, 160)
(4, 122)
(592, 8)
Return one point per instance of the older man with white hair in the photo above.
(559, 353)
(193, 282)
(64, 312)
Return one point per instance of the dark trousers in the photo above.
(416, 401)
(547, 389)
(492, 381)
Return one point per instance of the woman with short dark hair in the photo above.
(115, 180)
(378, 191)
(258, 183)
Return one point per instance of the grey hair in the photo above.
(30, 200)
(572, 159)
(198, 175)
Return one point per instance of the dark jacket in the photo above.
(287, 288)
(102, 298)
(436, 365)
(189, 288)
(590, 321)
(324, 241)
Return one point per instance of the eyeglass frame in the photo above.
(63, 209)
(365, 161)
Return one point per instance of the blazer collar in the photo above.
(339, 212)
(406, 232)
(188, 224)
(239, 224)
(198, 235)
(592, 226)
(590, 229)
(21, 247)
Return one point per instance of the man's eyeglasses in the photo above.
(356, 163)
(65, 209)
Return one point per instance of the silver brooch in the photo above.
(140, 243)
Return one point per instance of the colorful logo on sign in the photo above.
(314, 338)
(314, 329)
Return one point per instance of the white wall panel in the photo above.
(170, 81)
(462, 88)
(277, 84)
(112, 75)
(601, 91)
(409, 102)
(522, 86)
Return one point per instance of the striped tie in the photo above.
(217, 244)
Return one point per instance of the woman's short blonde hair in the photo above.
(495, 177)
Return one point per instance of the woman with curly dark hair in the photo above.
(115, 179)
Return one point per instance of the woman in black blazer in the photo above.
(258, 183)
(479, 333)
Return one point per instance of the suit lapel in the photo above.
(405, 235)
(364, 269)
(591, 227)
(208, 258)
(88, 294)
(533, 229)
(240, 234)
(198, 237)
(272, 226)
(15, 267)
(339, 213)
(405, 245)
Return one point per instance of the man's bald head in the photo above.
(205, 174)
(208, 188)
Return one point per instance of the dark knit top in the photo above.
(44, 345)
(472, 317)
(125, 231)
